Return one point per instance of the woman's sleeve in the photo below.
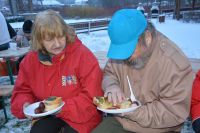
(22, 91)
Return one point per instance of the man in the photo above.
(159, 73)
(23, 38)
(24, 34)
(4, 34)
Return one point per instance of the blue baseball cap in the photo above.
(124, 30)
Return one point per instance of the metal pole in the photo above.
(89, 26)
(10, 71)
(4, 109)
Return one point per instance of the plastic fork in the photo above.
(130, 87)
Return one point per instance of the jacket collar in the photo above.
(44, 58)
(47, 60)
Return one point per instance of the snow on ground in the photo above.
(96, 41)
(185, 35)
(13, 125)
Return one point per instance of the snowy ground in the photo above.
(13, 125)
(186, 35)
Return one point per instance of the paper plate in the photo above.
(29, 110)
(117, 111)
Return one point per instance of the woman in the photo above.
(59, 65)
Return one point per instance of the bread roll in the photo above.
(52, 103)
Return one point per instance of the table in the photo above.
(10, 53)
(7, 55)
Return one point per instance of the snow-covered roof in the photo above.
(140, 8)
(154, 7)
(79, 2)
(51, 2)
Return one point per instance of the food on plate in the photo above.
(102, 102)
(52, 103)
(40, 108)
(125, 104)
(48, 104)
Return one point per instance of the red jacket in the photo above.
(74, 75)
(195, 105)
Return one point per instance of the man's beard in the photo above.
(141, 61)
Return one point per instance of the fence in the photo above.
(88, 26)
(191, 16)
(82, 27)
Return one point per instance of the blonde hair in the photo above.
(50, 24)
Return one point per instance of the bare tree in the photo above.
(193, 4)
(30, 5)
(13, 6)
(177, 9)
(20, 4)
(41, 2)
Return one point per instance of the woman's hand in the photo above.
(115, 95)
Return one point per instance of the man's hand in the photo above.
(115, 95)
(18, 38)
